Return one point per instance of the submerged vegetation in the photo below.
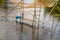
(56, 11)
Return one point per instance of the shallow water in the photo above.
(9, 28)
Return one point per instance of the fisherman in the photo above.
(18, 19)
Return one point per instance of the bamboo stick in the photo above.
(40, 2)
(22, 2)
(34, 23)
(51, 35)
(38, 25)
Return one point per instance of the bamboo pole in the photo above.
(28, 19)
(51, 35)
(40, 2)
(33, 23)
(22, 2)
(38, 24)
(33, 29)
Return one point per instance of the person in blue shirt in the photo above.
(18, 19)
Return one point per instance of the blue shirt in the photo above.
(18, 17)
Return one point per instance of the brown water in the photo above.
(9, 30)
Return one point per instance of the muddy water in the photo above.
(48, 22)
(46, 33)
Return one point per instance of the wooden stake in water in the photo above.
(33, 24)
(22, 2)
(51, 36)
(38, 24)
